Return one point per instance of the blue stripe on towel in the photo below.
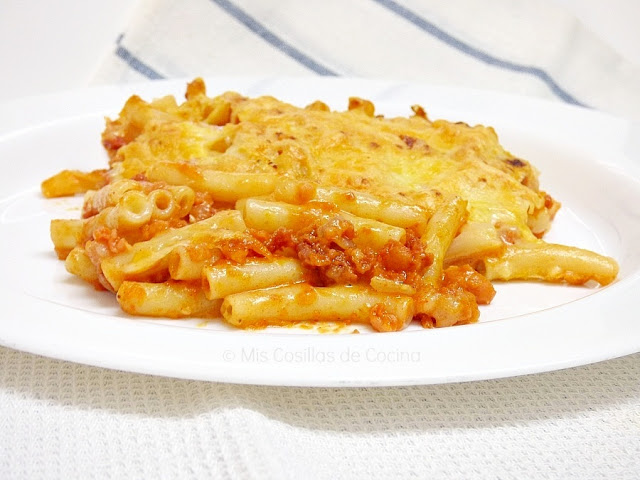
(260, 30)
(430, 28)
(135, 63)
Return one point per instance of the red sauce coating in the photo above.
(384, 321)
(202, 207)
(328, 249)
(109, 237)
(468, 279)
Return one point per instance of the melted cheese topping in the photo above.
(413, 160)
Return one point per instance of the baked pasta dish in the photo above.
(263, 213)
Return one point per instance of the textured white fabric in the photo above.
(61, 420)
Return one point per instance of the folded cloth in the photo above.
(520, 46)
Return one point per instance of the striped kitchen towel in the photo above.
(527, 47)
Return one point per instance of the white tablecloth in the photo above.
(62, 420)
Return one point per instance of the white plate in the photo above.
(529, 327)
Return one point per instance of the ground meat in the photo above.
(323, 247)
(468, 279)
(328, 249)
(110, 239)
(202, 207)
(238, 249)
(384, 321)
(403, 262)
(446, 306)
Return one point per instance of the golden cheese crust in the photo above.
(413, 159)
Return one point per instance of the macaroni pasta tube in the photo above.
(304, 303)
